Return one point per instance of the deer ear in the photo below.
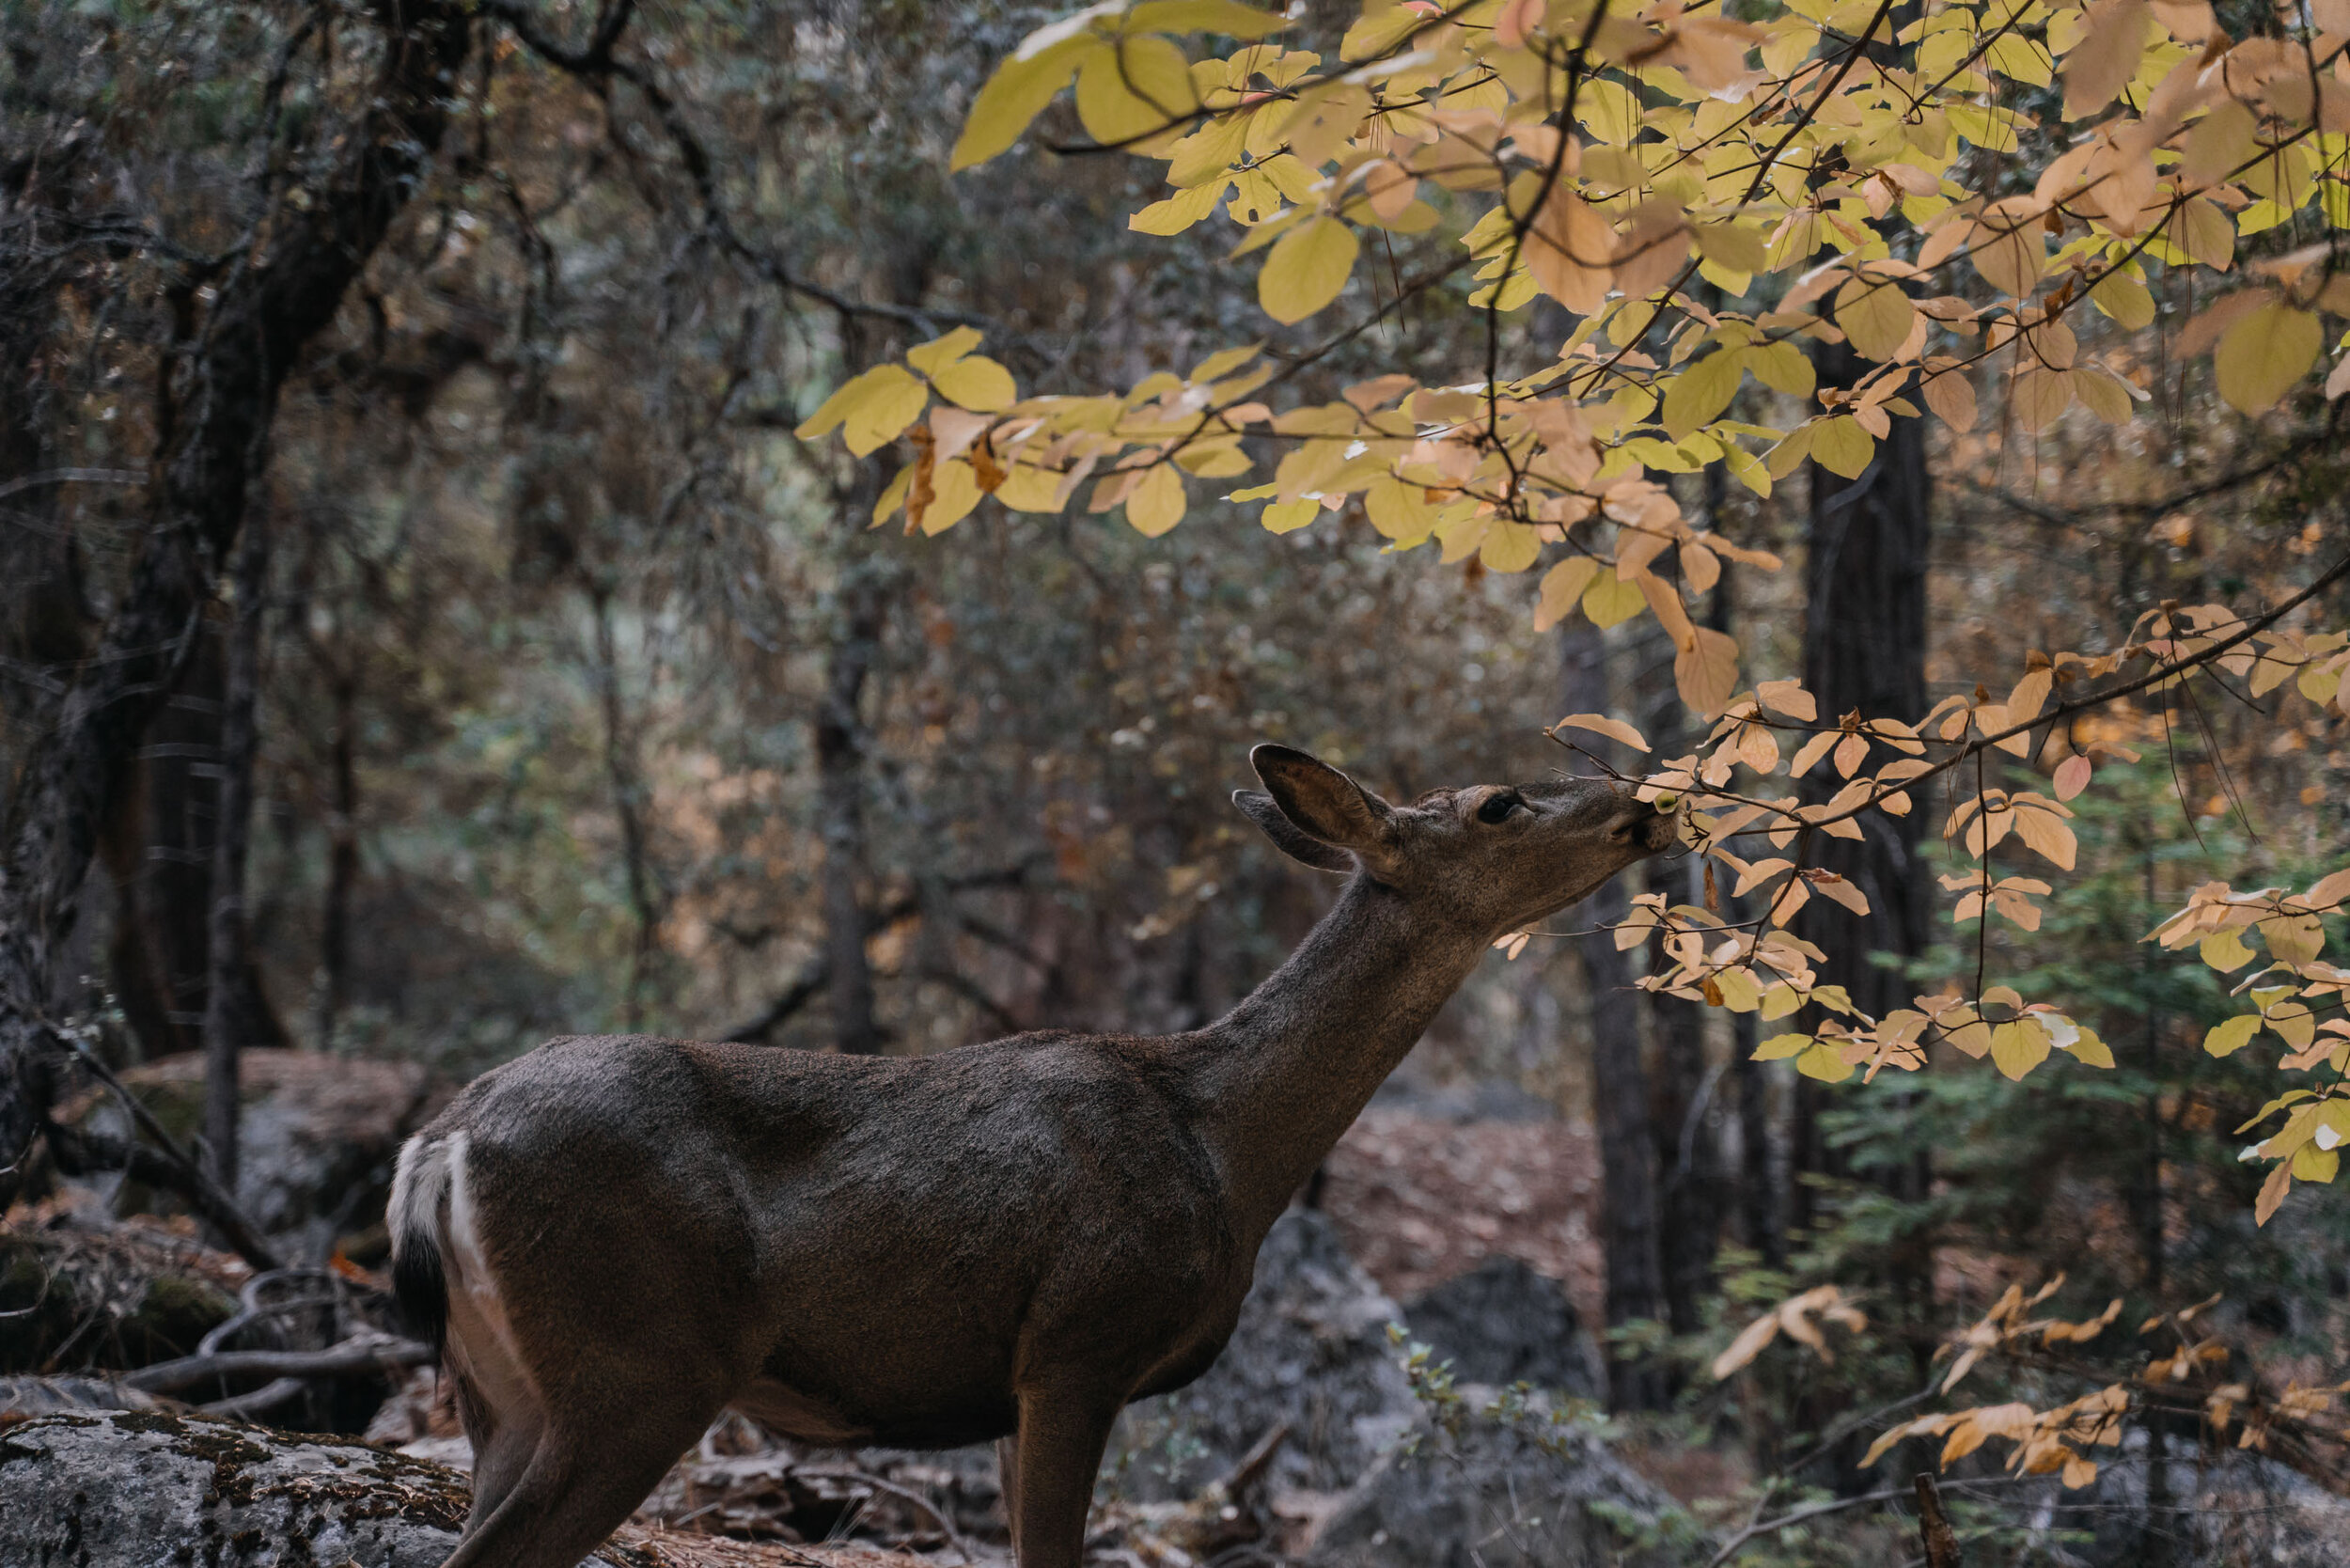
(1324, 804)
(1287, 837)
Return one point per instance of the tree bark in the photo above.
(1688, 1163)
(1865, 652)
(620, 765)
(1629, 1223)
(840, 797)
(221, 395)
(228, 1022)
(342, 863)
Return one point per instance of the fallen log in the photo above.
(342, 1360)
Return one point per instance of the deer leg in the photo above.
(575, 1487)
(1048, 1486)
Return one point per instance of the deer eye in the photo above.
(1497, 809)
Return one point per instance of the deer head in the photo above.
(1494, 857)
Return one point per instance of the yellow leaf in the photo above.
(1401, 512)
(2008, 248)
(1781, 1046)
(2312, 1164)
(1156, 504)
(1699, 392)
(2102, 64)
(1309, 266)
(2233, 1036)
(1015, 95)
(935, 355)
(1610, 599)
(1030, 489)
(2046, 833)
(2091, 1049)
(1842, 446)
(2272, 1192)
(1875, 315)
(2018, 1048)
(1134, 92)
(1562, 585)
(2295, 938)
(1180, 211)
(2038, 396)
(870, 410)
(976, 382)
(1286, 517)
(2124, 299)
(2221, 142)
(1600, 724)
(1567, 251)
(2264, 354)
(1748, 1345)
(1951, 396)
(1229, 17)
(1706, 671)
(1510, 547)
(894, 496)
(955, 490)
(1825, 1062)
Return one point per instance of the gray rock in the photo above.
(1312, 1350)
(144, 1489)
(1505, 1494)
(2226, 1506)
(22, 1398)
(1501, 1323)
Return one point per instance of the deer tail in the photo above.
(420, 1188)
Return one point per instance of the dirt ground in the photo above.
(1419, 1200)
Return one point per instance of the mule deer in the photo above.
(613, 1239)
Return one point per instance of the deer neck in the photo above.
(1282, 1075)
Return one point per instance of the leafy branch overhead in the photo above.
(1977, 200)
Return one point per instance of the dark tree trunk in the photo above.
(1865, 652)
(342, 863)
(1759, 1206)
(840, 795)
(229, 1022)
(1629, 1240)
(1690, 1197)
(645, 897)
(220, 396)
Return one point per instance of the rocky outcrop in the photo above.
(317, 1139)
(143, 1489)
(1522, 1492)
(124, 1489)
(1311, 1352)
(1501, 1323)
(2223, 1506)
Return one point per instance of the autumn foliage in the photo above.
(1972, 197)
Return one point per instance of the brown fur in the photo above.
(1007, 1240)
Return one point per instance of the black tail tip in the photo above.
(421, 1288)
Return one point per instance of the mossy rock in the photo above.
(71, 1284)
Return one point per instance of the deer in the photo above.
(613, 1239)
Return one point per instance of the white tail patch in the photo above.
(417, 1183)
(482, 1347)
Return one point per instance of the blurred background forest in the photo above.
(532, 678)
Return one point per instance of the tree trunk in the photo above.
(228, 1020)
(1629, 1240)
(620, 765)
(1864, 652)
(342, 864)
(840, 797)
(220, 394)
(1688, 1163)
(1759, 1204)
